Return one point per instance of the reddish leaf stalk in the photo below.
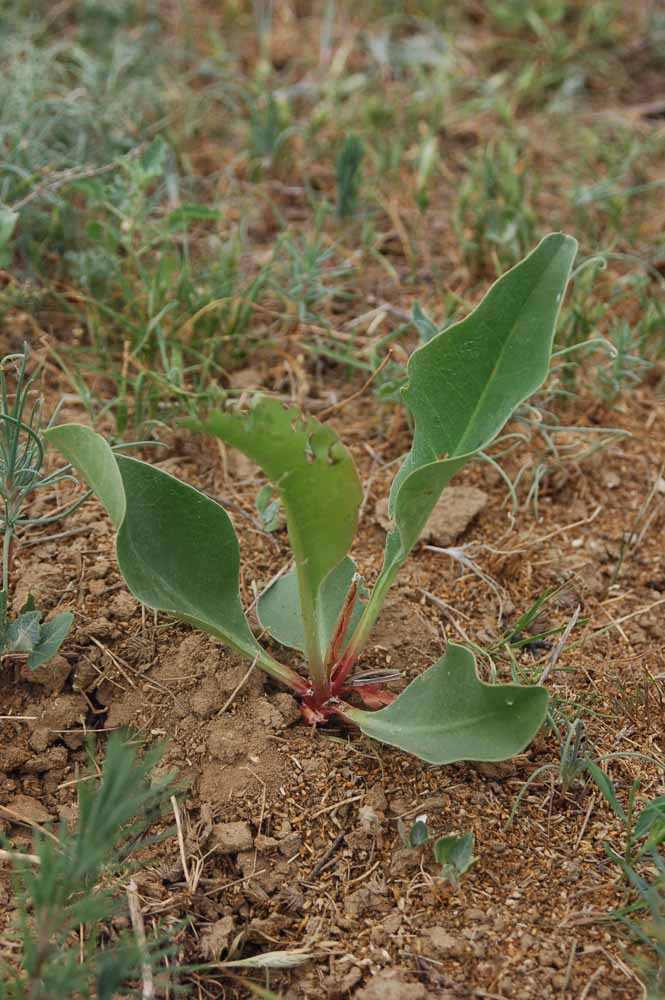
(343, 622)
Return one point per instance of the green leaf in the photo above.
(23, 633)
(454, 854)
(176, 548)
(423, 324)
(317, 482)
(268, 508)
(447, 714)
(190, 212)
(26, 634)
(278, 607)
(606, 787)
(652, 816)
(419, 833)
(92, 457)
(178, 552)
(8, 220)
(465, 382)
(29, 604)
(51, 637)
(153, 160)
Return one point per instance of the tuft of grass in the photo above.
(348, 175)
(494, 216)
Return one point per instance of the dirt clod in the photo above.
(387, 986)
(52, 676)
(230, 838)
(450, 518)
(28, 808)
(454, 513)
(216, 939)
(287, 707)
(444, 943)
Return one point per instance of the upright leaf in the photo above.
(465, 382)
(51, 637)
(606, 786)
(317, 482)
(279, 611)
(447, 714)
(455, 855)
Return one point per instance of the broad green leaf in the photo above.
(465, 382)
(455, 852)
(279, 612)
(447, 714)
(26, 634)
(92, 457)
(51, 637)
(178, 552)
(176, 548)
(23, 633)
(419, 833)
(317, 482)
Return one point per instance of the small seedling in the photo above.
(647, 825)
(455, 855)
(21, 459)
(575, 763)
(348, 175)
(268, 508)
(427, 162)
(643, 866)
(417, 834)
(178, 551)
(571, 766)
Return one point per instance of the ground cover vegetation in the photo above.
(252, 243)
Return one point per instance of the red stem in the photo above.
(340, 672)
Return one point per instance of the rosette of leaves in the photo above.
(178, 551)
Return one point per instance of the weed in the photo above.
(493, 217)
(68, 893)
(455, 855)
(318, 607)
(453, 852)
(22, 451)
(348, 175)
